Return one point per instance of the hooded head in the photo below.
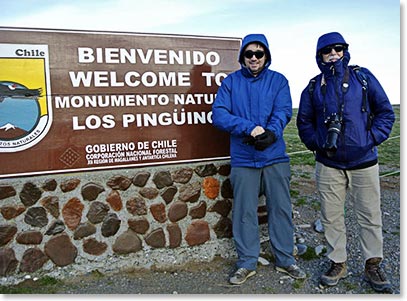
(255, 38)
(332, 38)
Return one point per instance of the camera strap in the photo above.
(362, 78)
(345, 81)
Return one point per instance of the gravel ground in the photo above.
(212, 277)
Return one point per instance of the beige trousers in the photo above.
(363, 186)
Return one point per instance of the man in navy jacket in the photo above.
(254, 105)
(344, 114)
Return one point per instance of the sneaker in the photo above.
(241, 275)
(375, 275)
(335, 273)
(292, 270)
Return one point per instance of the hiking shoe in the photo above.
(374, 274)
(336, 272)
(241, 275)
(292, 270)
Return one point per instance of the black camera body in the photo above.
(334, 125)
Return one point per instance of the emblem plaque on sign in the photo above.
(25, 109)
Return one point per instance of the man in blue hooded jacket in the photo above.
(253, 104)
(342, 119)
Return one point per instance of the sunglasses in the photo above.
(328, 49)
(249, 54)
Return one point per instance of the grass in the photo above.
(301, 201)
(389, 151)
(269, 290)
(350, 286)
(44, 285)
(298, 283)
(294, 193)
(316, 205)
(309, 254)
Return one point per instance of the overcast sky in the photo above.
(371, 27)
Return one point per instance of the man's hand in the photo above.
(258, 130)
(264, 140)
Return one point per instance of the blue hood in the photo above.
(330, 39)
(255, 38)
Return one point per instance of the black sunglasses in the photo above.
(249, 54)
(328, 49)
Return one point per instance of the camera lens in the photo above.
(334, 129)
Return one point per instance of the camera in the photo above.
(334, 124)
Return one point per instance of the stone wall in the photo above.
(59, 220)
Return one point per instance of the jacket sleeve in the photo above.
(222, 113)
(306, 121)
(383, 114)
(282, 110)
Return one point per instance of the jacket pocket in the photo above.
(357, 142)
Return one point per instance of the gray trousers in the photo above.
(363, 186)
(274, 182)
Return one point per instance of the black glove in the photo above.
(248, 140)
(264, 140)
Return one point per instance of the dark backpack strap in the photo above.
(311, 86)
(363, 79)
